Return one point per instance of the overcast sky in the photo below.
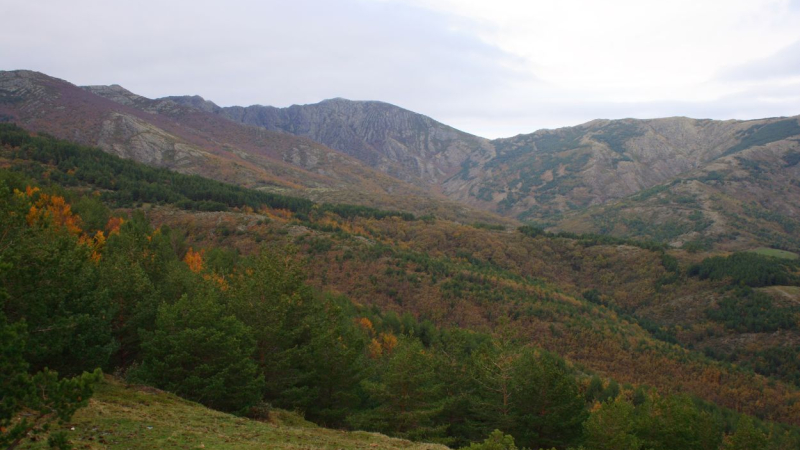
(494, 68)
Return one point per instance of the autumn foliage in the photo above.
(194, 260)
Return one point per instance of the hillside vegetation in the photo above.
(411, 326)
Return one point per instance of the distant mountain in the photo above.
(192, 140)
(730, 183)
(638, 313)
(537, 176)
(553, 176)
(401, 143)
(673, 180)
(748, 196)
(551, 172)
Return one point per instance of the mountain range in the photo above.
(687, 182)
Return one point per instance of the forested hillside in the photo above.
(361, 318)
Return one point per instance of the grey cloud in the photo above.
(271, 52)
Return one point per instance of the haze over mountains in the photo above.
(677, 180)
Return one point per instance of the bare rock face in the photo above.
(132, 138)
(117, 94)
(122, 96)
(185, 134)
(539, 176)
(401, 143)
(23, 90)
(195, 101)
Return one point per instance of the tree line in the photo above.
(126, 183)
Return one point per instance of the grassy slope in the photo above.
(776, 253)
(131, 417)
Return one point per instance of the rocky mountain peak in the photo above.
(195, 101)
(116, 93)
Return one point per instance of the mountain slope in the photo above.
(404, 144)
(183, 139)
(190, 140)
(572, 295)
(748, 196)
(550, 174)
(723, 183)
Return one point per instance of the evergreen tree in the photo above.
(268, 294)
(53, 284)
(672, 422)
(547, 406)
(139, 270)
(328, 389)
(201, 353)
(44, 396)
(496, 441)
(406, 394)
(494, 366)
(464, 410)
(594, 390)
(612, 427)
(746, 437)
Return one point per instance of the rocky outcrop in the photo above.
(132, 138)
(186, 135)
(401, 143)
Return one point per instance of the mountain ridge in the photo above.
(556, 178)
(400, 142)
(553, 173)
(192, 141)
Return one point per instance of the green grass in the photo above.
(125, 417)
(788, 292)
(775, 253)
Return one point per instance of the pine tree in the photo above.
(328, 388)
(202, 353)
(53, 284)
(494, 366)
(548, 408)
(671, 422)
(268, 294)
(496, 441)
(43, 395)
(612, 427)
(406, 394)
(746, 437)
